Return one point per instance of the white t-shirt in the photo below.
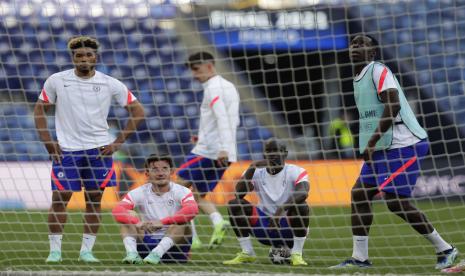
(384, 79)
(274, 190)
(82, 107)
(152, 206)
(219, 119)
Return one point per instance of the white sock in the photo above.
(55, 242)
(360, 248)
(165, 244)
(130, 244)
(88, 242)
(246, 245)
(216, 218)
(298, 245)
(437, 241)
(194, 230)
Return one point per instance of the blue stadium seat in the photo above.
(194, 123)
(241, 134)
(179, 123)
(191, 110)
(453, 74)
(185, 137)
(169, 136)
(148, 59)
(253, 135)
(154, 123)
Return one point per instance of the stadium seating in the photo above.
(148, 60)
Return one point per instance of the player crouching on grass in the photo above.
(282, 216)
(163, 234)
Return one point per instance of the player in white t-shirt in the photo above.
(82, 98)
(215, 145)
(163, 233)
(281, 218)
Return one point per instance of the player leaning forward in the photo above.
(163, 234)
(82, 97)
(281, 219)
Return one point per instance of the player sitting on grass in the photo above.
(163, 234)
(282, 216)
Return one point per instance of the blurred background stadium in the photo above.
(290, 63)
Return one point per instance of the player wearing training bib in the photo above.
(215, 145)
(392, 143)
(82, 156)
(282, 216)
(162, 233)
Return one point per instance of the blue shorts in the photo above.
(396, 170)
(84, 166)
(202, 172)
(260, 223)
(176, 254)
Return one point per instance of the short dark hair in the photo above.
(200, 57)
(374, 41)
(279, 144)
(81, 42)
(155, 158)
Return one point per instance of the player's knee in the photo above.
(128, 229)
(301, 209)
(178, 232)
(358, 194)
(394, 206)
(236, 205)
(60, 199)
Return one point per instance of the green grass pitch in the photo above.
(394, 246)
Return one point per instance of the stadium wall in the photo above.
(26, 185)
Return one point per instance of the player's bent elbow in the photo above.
(124, 216)
(117, 212)
(137, 110)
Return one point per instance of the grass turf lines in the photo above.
(394, 246)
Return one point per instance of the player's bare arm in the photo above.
(245, 185)
(136, 116)
(390, 98)
(40, 118)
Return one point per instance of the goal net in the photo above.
(290, 63)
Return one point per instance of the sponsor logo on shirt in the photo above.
(61, 174)
(367, 114)
(96, 88)
(170, 202)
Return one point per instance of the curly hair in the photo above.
(82, 41)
